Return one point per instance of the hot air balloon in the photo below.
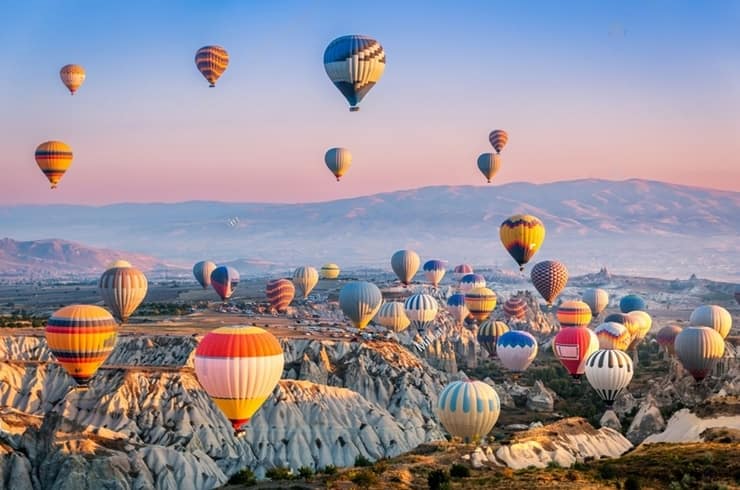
(123, 289)
(462, 270)
(72, 77)
(712, 316)
(632, 302)
(212, 62)
(239, 367)
(338, 160)
(118, 263)
(737, 295)
(434, 271)
(549, 278)
(667, 338)
(617, 318)
(489, 164)
(330, 271)
(572, 346)
(456, 307)
(638, 323)
(392, 316)
(224, 280)
(613, 335)
(522, 235)
(597, 299)
(468, 409)
(202, 271)
(699, 349)
(609, 371)
(515, 308)
(54, 158)
(81, 337)
(516, 350)
(305, 278)
(471, 281)
(489, 333)
(360, 301)
(498, 139)
(354, 64)
(574, 314)
(280, 292)
(405, 263)
(481, 302)
(421, 309)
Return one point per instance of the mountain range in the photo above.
(633, 226)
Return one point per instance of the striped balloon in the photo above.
(354, 64)
(516, 350)
(212, 62)
(498, 139)
(434, 271)
(471, 281)
(572, 346)
(712, 316)
(489, 333)
(549, 278)
(609, 372)
(515, 308)
(224, 280)
(405, 263)
(392, 315)
(123, 289)
(72, 77)
(481, 302)
(489, 164)
(468, 409)
(202, 271)
(667, 338)
(360, 301)
(596, 299)
(422, 310)
(239, 367)
(305, 279)
(280, 292)
(81, 337)
(574, 314)
(638, 323)
(54, 158)
(456, 307)
(522, 235)
(462, 270)
(338, 161)
(632, 302)
(330, 271)
(613, 335)
(699, 349)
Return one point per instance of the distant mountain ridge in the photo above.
(590, 223)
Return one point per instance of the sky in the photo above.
(611, 90)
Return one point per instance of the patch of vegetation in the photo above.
(632, 483)
(459, 471)
(364, 478)
(20, 318)
(362, 462)
(329, 469)
(279, 473)
(439, 480)
(243, 477)
(305, 472)
(163, 309)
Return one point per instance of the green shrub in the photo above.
(459, 471)
(305, 472)
(329, 470)
(438, 480)
(632, 483)
(553, 465)
(279, 473)
(243, 477)
(364, 478)
(607, 472)
(362, 462)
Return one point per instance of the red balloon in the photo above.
(572, 346)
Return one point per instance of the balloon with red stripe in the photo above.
(280, 292)
(572, 346)
(574, 314)
(515, 308)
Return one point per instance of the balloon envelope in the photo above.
(280, 292)
(211, 62)
(574, 314)
(123, 289)
(632, 302)
(667, 338)
(202, 271)
(481, 302)
(405, 263)
(305, 279)
(613, 335)
(572, 346)
(489, 333)
(489, 164)
(549, 278)
(360, 301)
(596, 299)
(456, 307)
(712, 316)
(699, 349)
(54, 159)
(73, 76)
(522, 235)
(516, 350)
(498, 139)
(330, 271)
(471, 281)
(461, 270)
(515, 308)
(422, 310)
(392, 315)
(609, 372)
(224, 280)
(354, 65)
(434, 271)
(468, 409)
(338, 161)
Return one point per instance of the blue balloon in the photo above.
(632, 302)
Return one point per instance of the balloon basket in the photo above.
(354, 109)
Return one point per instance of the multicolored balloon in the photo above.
(574, 314)
(572, 346)
(516, 349)
(360, 301)
(461, 270)
(712, 316)
(667, 338)
(330, 271)
(392, 316)
(224, 280)
(239, 367)
(405, 264)
(280, 292)
(613, 335)
(609, 372)
(638, 324)
(123, 289)
(498, 139)
(305, 279)
(489, 164)
(468, 409)
(212, 62)
(515, 308)
(597, 299)
(471, 281)
(481, 302)
(422, 310)
(522, 235)
(699, 349)
(338, 161)
(434, 271)
(54, 159)
(202, 271)
(81, 337)
(73, 76)
(632, 302)
(549, 278)
(489, 333)
(354, 64)
(456, 307)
